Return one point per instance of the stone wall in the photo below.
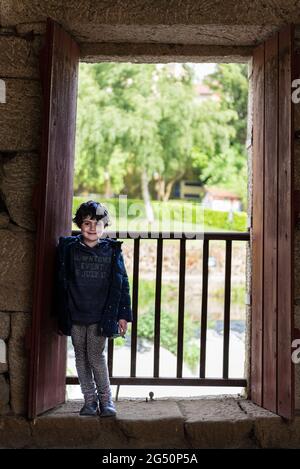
(167, 22)
(21, 36)
(20, 132)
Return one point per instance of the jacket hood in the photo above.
(113, 241)
(64, 240)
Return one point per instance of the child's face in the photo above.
(91, 229)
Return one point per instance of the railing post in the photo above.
(180, 332)
(204, 307)
(135, 295)
(159, 254)
(227, 308)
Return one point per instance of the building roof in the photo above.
(202, 89)
(221, 193)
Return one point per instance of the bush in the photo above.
(169, 332)
(220, 219)
(213, 219)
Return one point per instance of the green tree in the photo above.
(175, 101)
(101, 127)
(143, 120)
(230, 82)
(133, 95)
(213, 154)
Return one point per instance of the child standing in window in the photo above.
(93, 302)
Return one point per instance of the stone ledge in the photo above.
(163, 423)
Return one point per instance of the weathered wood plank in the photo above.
(270, 225)
(258, 225)
(59, 70)
(286, 387)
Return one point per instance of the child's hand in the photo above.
(123, 326)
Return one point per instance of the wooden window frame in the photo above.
(60, 57)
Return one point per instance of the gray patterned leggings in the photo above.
(91, 363)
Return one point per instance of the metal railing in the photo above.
(201, 380)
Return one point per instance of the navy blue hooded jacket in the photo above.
(118, 302)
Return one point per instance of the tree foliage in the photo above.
(145, 121)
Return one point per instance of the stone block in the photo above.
(3, 357)
(18, 362)
(152, 424)
(19, 176)
(14, 433)
(4, 392)
(16, 270)
(19, 57)
(4, 220)
(20, 117)
(138, 425)
(277, 433)
(4, 325)
(217, 423)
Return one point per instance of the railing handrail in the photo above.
(210, 235)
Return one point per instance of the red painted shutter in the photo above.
(59, 72)
(272, 373)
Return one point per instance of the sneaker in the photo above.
(89, 409)
(107, 410)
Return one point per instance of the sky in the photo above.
(203, 69)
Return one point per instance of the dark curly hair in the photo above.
(94, 210)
